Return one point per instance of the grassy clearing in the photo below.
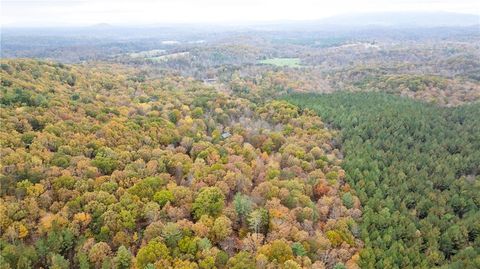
(289, 62)
(147, 53)
(168, 57)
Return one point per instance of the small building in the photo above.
(226, 135)
(209, 80)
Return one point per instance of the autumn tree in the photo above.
(210, 201)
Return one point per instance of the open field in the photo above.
(288, 62)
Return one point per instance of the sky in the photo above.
(142, 12)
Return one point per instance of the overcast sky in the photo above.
(122, 12)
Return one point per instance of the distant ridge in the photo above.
(405, 19)
(102, 25)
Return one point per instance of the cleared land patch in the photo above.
(290, 62)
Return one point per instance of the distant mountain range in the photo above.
(406, 19)
(335, 23)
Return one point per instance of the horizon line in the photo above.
(225, 23)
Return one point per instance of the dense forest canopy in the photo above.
(294, 145)
(415, 168)
(100, 170)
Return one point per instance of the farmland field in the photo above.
(289, 62)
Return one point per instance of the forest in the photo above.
(414, 168)
(102, 171)
(290, 146)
